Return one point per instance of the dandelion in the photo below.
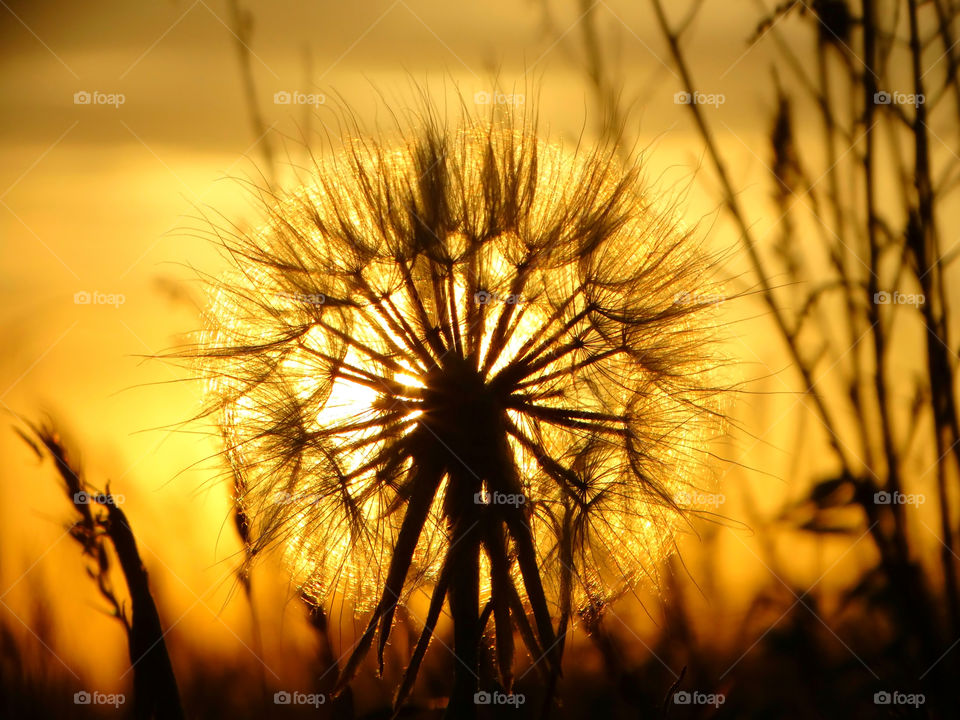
(466, 361)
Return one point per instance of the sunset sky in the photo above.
(112, 200)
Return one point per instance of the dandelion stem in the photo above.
(465, 609)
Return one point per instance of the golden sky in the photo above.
(102, 198)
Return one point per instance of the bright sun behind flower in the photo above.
(471, 361)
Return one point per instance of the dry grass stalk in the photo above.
(102, 534)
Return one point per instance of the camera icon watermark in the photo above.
(682, 697)
(284, 697)
(99, 698)
(286, 97)
(883, 297)
(499, 698)
(95, 297)
(698, 299)
(485, 97)
(898, 498)
(485, 297)
(883, 97)
(304, 298)
(883, 697)
(687, 498)
(284, 497)
(699, 98)
(485, 497)
(84, 498)
(84, 97)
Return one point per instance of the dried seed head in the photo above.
(467, 318)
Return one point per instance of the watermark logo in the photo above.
(485, 497)
(898, 98)
(485, 297)
(83, 97)
(85, 498)
(898, 498)
(682, 697)
(699, 499)
(898, 298)
(285, 97)
(699, 98)
(85, 297)
(304, 298)
(899, 698)
(484, 97)
(98, 698)
(499, 698)
(282, 497)
(689, 298)
(298, 698)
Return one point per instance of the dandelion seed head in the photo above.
(420, 299)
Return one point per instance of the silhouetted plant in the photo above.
(469, 360)
(869, 280)
(102, 526)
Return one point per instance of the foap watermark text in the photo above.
(95, 297)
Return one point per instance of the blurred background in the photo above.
(814, 144)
